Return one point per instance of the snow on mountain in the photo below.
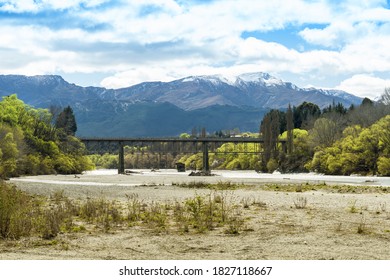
(259, 77)
(337, 94)
(258, 90)
(247, 78)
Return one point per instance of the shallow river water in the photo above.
(106, 177)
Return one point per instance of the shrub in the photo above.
(300, 202)
(384, 166)
(15, 212)
(272, 165)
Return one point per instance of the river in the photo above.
(106, 177)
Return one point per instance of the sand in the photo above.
(331, 225)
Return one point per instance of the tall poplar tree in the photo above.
(290, 128)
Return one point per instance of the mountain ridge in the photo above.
(193, 92)
(169, 108)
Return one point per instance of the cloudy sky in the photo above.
(321, 43)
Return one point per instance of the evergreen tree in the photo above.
(67, 121)
(305, 113)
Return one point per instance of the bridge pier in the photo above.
(121, 159)
(206, 165)
(204, 142)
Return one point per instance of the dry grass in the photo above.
(285, 222)
(25, 216)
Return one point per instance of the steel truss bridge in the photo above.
(182, 145)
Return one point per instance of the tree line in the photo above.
(335, 140)
(332, 140)
(38, 141)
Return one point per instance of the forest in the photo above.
(39, 141)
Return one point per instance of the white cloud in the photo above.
(19, 6)
(364, 85)
(33, 6)
(162, 40)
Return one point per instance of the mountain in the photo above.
(168, 108)
(150, 119)
(259, 90)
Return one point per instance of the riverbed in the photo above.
(330, 226)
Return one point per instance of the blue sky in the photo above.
(326, 44)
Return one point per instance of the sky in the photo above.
(311, 43)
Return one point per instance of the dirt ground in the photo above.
(329, 225)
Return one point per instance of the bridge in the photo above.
(181, 145)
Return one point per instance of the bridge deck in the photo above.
(170, 140)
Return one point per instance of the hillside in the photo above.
(168, 108)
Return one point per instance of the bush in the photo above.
(384, 166)
(272, 165)
(15, 212)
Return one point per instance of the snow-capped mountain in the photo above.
(166, 108)
(259, 90)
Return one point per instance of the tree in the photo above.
(324, 133)
(361, 150)
(305, 113)
(67, 121)
(184, 136)
(367, 102)
(270, 130)
(29, 144)
(290, 127)
(385, 98)
(8, 155)
(368, 113)
(301, 154)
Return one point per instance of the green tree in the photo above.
(184, 136)
(270, 130)
(360, 150)
(67, 121)
(290, 127)
(324, 133)
(302, 153)
(8, 155)
(305, 113)
(29, 143)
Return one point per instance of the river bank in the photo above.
(278, 225)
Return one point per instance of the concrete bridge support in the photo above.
(206, 165)
(121, 159)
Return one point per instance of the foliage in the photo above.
(66, 121)
(301, 154)
(305, 113)
(270, 129)
(324, 133)
(272, 165)
(361, 150)
(30, 144)
(336, 140)
(15, 212)
(107, 161)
